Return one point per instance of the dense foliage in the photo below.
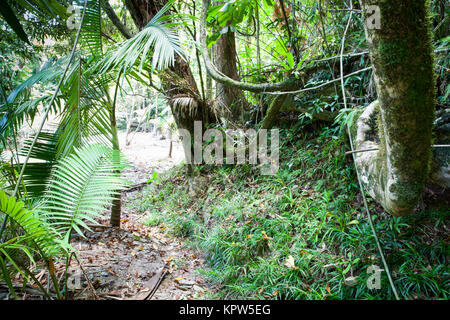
(69, 70)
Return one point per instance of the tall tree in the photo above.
(225, 58)
(401, 53)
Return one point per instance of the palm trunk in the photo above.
(116, 208)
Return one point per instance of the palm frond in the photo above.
(10, 17)
(33, 238)
(82, 185)
(85, 117)
(38, 171)
(49, 71)
(42, 8)
(91, 28)
(157, 36)
(35, 230)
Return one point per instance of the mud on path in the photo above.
(130, 262)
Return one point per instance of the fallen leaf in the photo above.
(265, 237)
(290, 263)
(351, 281)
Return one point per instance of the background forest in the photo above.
(358, 89)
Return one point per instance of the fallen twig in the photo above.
(91, 287)
(151, 285)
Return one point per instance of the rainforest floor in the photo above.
(299, 234)
(302, 233)
(139, 261)
(136, 261)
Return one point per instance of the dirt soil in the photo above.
(128, 263)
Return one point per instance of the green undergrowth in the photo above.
(300, 234)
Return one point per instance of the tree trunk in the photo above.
(401, 54)
(116, 208)
(272, 111)
(230, 98)
(209, 84)
(178, 81)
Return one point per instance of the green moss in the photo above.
(402, 55)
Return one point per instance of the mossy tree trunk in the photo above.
(401, 54)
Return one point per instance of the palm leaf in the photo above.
(34, 228)
(33, 237)
(38, 171)
(42, 8)
(91, 29)
(157, 36)
(82, 185)
(51, 70)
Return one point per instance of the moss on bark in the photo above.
(401, 53)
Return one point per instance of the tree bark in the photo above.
(115, 20)
(178, 81)
(272, 111)
(230, 98)
(401, 55)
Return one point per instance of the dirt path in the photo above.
(148, 153)
(128, 263)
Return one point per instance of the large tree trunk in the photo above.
(225, 58)
(401, 54)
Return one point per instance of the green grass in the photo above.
(248, 225)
